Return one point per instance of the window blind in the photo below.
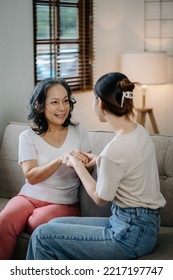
(63, 41)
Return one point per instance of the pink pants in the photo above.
(23, 212)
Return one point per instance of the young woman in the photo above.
(51, 187)
(127, 176)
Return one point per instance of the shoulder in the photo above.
(79, 133)
(140, 129)
(112, 150)
(27, 132)
(78, 128)
(143, 136)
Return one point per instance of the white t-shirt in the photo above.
(62, 186)
(127, 171)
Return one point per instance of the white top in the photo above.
(62, 186)
(127, 171)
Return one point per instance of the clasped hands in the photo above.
(74, 157)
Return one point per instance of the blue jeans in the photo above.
(127, 234)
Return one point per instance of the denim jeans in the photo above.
(128, 233)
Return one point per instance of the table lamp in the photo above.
(147, 68)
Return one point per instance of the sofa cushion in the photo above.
(164, 155)
(11, 175)
(3, 202)
(21, 246)
(88, 207)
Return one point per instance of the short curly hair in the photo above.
(37, 104)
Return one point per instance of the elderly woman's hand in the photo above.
(80, 156)
(87, 159)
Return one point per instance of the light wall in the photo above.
(158, 97)
(16, 60)
(118, 28)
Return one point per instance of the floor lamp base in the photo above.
(141, 115)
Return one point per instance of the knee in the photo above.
(31, 225)
(37, 233)
(33, 222)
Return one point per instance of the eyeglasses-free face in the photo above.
(57, 106)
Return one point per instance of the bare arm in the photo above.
(36, 174)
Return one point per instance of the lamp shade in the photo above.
(146, 68)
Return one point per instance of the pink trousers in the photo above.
(22, 212)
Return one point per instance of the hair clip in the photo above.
(126, 94)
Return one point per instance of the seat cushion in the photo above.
(3, 202)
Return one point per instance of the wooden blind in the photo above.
(63, 41)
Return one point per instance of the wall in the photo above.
(118, 28)
(16, 60)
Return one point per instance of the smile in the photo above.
(60, 115)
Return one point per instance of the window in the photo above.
(63, 41)
(158, 24)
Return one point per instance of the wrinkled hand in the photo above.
(64, 158)
(88, 159)
(80, 156)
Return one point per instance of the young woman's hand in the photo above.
(87, 159)
(73, 161)
(80, 156)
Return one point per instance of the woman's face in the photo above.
(98, 110)
(57, 105)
